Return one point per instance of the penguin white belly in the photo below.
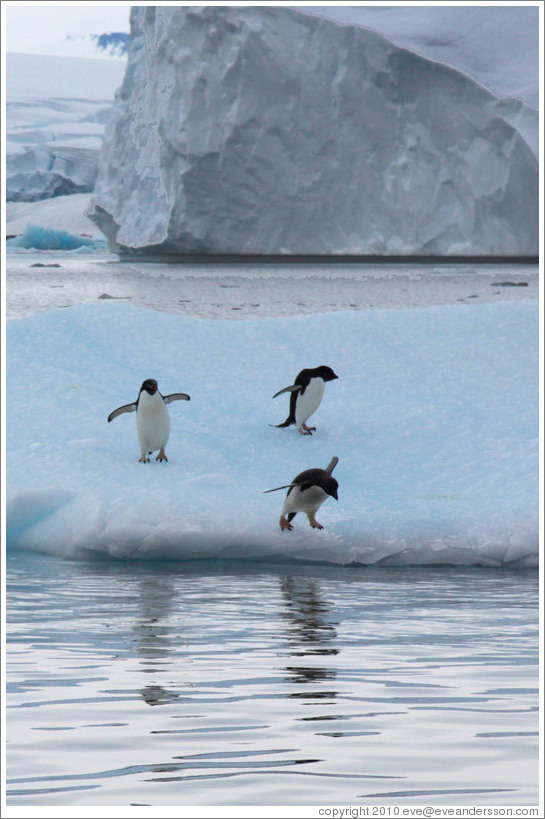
(309, 402)
(308, 501)
(152, 422)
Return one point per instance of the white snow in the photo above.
(497, 45)
(60, 213)
(434, 419)
(263, 130)
(50, 77)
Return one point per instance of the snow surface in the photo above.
(263, 130)
(42, 77)
(434, 418)
(60, 213)
(497, 45)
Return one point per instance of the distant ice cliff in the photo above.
(56, 110)
(268, 131)
(44, 171)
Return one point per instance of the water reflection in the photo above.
(311, 633)
(157, 695)
(153, 641)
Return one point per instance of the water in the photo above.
(47, 280)
(230, 684)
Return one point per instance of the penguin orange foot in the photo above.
(307, 430)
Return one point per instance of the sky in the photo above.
(38, 29)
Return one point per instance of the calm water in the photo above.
(211, 684)
(49, 280)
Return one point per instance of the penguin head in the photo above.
(331, 487)
(325, 373)
(150, 386)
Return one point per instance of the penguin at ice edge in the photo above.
(152, 418)
(306, 395)
(306, 493)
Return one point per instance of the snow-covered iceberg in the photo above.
(262, 130)
(434, 419)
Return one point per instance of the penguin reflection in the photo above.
(310, 633)
(153, 642)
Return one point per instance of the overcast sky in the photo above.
(38, 29)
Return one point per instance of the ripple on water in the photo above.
(163, 684)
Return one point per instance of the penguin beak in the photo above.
(335, 495)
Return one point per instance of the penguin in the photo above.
(306, 493)
(306, 396)
(152, 418)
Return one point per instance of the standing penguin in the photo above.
(306, 493)
(152, 418)
(306, 396)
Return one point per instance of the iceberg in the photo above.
(262, 130)
(434, 419)
(49, 238)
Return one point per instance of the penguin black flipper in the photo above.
(276, 488)
(176, 396)
(292, 388)
(121, 410)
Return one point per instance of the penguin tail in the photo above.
(332, 464)
(287, 423)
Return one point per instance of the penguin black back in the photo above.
(316, 477)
